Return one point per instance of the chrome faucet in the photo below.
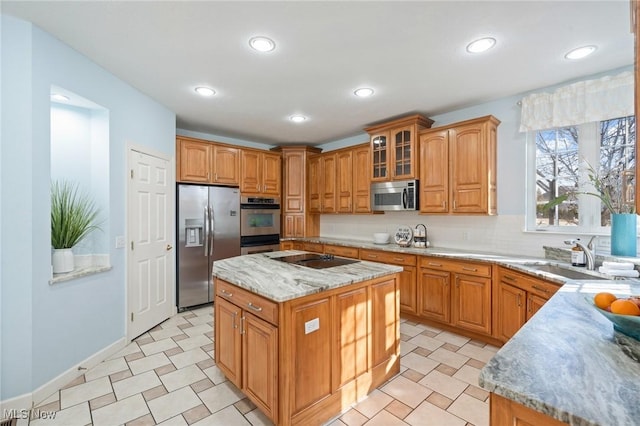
(589, 251)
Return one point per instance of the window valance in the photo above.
(582, 102)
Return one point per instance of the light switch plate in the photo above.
(120, 241)
(311, 326)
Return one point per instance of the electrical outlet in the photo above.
(311, 325)
(604, 243)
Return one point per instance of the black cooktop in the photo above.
(316, 261)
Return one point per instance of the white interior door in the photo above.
(151, 259)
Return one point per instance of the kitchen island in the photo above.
(568, 364)
(304, 344)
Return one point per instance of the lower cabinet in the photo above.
(517, 297)
(505, 412)
(306, 360)
(456, 293)
(249, 354)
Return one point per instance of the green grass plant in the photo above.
(73, 215)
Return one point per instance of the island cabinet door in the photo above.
(260, 363)
(385, 327)
(228, 344)
(352, 334)
(311, 350)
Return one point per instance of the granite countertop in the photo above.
(280, 281)
(518, 263)
(569, 363)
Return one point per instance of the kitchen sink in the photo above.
(566, 272)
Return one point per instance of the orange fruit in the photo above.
(624, 307)
(603, 299)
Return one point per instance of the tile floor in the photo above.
(167, 376)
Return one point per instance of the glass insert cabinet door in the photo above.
(379, 151)
(403, 153)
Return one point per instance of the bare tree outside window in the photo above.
(558, 171)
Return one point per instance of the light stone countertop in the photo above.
(280, 281)
(569, 363)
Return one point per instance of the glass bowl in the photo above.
(625, 324)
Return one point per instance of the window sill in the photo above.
(78, 273)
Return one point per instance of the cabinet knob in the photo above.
(169, 247)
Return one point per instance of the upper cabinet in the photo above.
(338, 181)
(393, 148)
(458, 168)
(296, 218)
(202, 161)
(260, 172)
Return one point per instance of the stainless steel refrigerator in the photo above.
(208, 229)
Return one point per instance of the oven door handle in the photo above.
(404, 198)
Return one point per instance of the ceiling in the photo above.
(411, 53)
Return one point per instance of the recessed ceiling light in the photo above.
(262, 44)
(481, 45)
(59, 97)
(297, 118)
(363, 92)
(205, 91)
(580, 52)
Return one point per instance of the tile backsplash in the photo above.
(502, 234)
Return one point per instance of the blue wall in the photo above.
(48, 329)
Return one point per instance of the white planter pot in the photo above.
(62, 261)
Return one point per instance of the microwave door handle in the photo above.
(404, 198)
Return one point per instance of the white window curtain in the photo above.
(583, 102)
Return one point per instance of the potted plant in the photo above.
(614, 189)
(73, 216)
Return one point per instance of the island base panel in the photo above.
(505, 412)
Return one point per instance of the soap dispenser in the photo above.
(578, 257)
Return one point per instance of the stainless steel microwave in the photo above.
(395, 195)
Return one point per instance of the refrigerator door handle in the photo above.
(212, 227)
(206, 232)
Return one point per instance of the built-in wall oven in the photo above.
(259, 224)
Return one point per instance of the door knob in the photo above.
(169, 247)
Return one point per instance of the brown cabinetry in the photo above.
(247, 324)
(517, 297)
(506, 412)
(202, 161)
(322, 353)
(458, 172)
(296, 218)
(393, 148)
(408, 278)
(260, 173)
(322, 183)
(344, 181)
(342, 251)
(362, 179)
(454, 292)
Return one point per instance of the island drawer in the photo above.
(387, 257)
(250, 302)
(342, 251)
(468, 268)
(527, 282)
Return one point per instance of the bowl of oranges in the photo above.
(623, 312)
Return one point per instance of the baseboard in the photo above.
(29, 400)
